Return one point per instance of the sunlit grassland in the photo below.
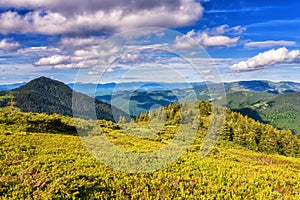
(45, 166)
(42, 157)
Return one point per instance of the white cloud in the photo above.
(76, 16)
(270, 43)
(209, 38)
(268, 58)
(220, 30)
(100, 55)
(77, 65)
(130, 57)
(8, 46)
(82, 57)
(40, 50)
(220, 41)
(53, 60)
(186, 41)
(77, 42)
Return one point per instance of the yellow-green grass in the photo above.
(54, 166)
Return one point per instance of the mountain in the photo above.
(233, 128)
(43, 157)
(268, 102)
(90, 88)
(9, 87)
(247, 97)
(282, 111)
(240, 94)
(263, 86)
(44, 95)
(113, 88)
(241, 99)
(109, 88)
(136, 103)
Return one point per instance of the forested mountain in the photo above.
(268, 102)
(282, 111)
(44, 95)
(238, 129)
(144, 95)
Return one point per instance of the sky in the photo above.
(110, 40)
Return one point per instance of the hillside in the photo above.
(145, 95)
(39, 167)
(41, 160)
(241, 99)
(282, 111)
(237, 129)
(252, 86)
(247, 97)
(254, 100)
(263, 86)
(44, 95)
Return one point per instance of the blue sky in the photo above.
(71, 40)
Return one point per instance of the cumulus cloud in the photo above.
(71, 7)
(8, 46)
(220, 41)
(77, 42)
(76, 16)
(38, 51)
(53, 60)
(210, 38)
(270, 43)
(82, 57)
(268, 58)
(220, 30)
(102, 55)
(98, 51)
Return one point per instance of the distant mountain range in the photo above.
(263, 86)
(141, 100)
(265, 101)
(115, 88)
(268, 102)
(255, 86)
(109, 88)
(9, 87)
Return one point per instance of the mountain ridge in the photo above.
(44, 95)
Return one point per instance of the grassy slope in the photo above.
(51, 166)
(39, 166)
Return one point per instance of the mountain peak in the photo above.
(50, 96)
(44, 85)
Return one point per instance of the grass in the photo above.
(41, 157)
(47, 166)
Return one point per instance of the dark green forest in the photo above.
(44, 95)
